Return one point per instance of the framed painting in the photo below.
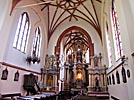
(16, 76)
(4, 74)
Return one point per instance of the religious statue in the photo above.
(47, 61)
(97, 85)
(50, 80)
(95, 61)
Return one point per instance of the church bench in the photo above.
(9, 96)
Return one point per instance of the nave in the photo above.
(58, 48)
(63, 96)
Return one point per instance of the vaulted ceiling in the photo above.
(67, 10)
(57, 12)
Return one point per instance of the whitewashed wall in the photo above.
(123, 91)
(4, 8)
(9, 55)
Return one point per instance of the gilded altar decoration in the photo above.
(50, 73)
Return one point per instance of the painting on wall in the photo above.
(128, 73)
(124, 75)
(50, 80)
(4, 74)
(16, 76)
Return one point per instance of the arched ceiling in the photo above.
(57, 12)
(75, 38)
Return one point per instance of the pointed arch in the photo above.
(86, 34)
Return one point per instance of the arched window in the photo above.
(113, 79)
(108, 43)
(116, 33)
(37, 42)
(110, 80)
(107, 81)
(117, 77)
(124, 75)
(21, 36)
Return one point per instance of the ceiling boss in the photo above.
(69, 4)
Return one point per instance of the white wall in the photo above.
(16, 57)
(12, 56)
(10, 86)
(4, 8)
(123, 91)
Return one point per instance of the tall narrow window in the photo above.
(87, 55)
(110, 80)
(107, 81)
(37, 42)
(113, 79)
(108, 43)
(21, 35)
(124, 78)
(116, 31)
(117, 77)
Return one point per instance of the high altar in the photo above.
(77, 73)
(82, 75)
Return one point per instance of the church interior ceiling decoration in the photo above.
(57, 12)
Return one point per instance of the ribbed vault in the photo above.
(74, 38)
(57, 12)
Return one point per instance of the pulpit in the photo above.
(30, 81)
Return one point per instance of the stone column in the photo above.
(104, 79)
(89, 88)
(65, 73)
(83, 57)
(75, 56)
(91, 80)
(53, 83)
(92, 61)
(100, 60)
(101, 79)
(44, 80)
(68, 75)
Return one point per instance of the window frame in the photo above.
(36, 46)
(116, 32)
(22, 33)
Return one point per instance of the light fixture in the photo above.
(33, 58)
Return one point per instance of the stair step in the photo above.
(100, 95)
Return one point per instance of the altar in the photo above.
(88, 76)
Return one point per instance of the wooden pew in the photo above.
(9, 96)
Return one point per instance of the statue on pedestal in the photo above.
(95, 61)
